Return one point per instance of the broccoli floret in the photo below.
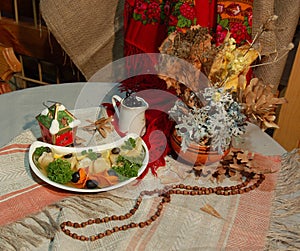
(60, 171)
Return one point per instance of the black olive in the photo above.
(48, 149)
(90, 184)
(115, 150)
(112, 172)
(75, 177)
(99, 155)
(67, 156)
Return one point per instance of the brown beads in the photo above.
(179, 189)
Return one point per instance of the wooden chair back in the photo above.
(9, 65)
(42, 58)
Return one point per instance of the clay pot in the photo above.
(195, 154)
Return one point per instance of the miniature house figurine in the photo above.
(58, 125)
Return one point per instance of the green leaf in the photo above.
(126, 168)
(188, 23)
(136, 16)
(129, 144)
(218, 19)
(177, 6)
(182, 21)
(171, 29)
(224, 23)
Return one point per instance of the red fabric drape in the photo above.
(206, 13)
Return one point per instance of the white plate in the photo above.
(67, 150)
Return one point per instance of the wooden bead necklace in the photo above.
(165, 193)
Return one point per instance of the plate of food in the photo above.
(90, 169)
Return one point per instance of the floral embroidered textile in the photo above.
(177, 15)
(235, 16)
(148, 11)
(182, 15)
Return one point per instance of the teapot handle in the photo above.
(114, 103)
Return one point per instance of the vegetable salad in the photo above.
(91, 169)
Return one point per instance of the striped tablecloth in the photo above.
(31, 211)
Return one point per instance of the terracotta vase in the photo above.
(195, 154)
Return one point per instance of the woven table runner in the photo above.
(32, 211)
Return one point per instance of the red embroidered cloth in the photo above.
(235, 16)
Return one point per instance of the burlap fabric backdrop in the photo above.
(91, 32)
(288, 12)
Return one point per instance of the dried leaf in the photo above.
(102, 132)
(103, 126)
(210, 210)
(237, 177)
(279, 101)
(220, 178)
(260, 103)
(259, 89)
(250, 98)
(103, 120)
(270, 117)
(269, 124)
(243, 157)
(236, 166)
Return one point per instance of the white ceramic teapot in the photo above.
(131, 119)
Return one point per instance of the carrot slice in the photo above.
(83, 177)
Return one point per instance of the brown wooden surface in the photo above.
(30, 41)
(9, 64)
(4, 88)
(288, 135)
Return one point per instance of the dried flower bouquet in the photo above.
(211, 112)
